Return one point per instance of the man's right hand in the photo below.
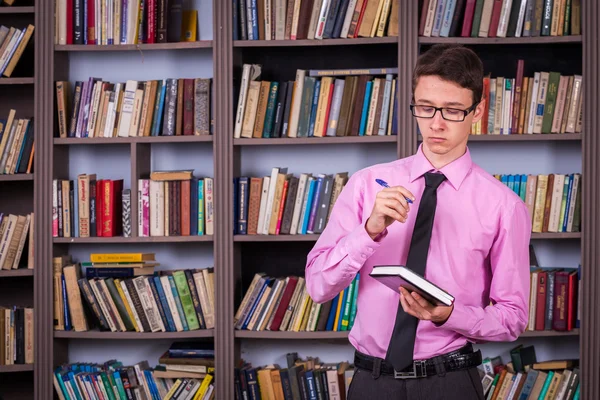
(390, 205)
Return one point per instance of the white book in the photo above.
(504, 17)
(263, 204)
(348, 18)
(157, 207)
(127, 108)
(533, 103)
(250, 72)
(396, 276)
(271, 198)
(296, 103)
(298, 203)
(164, 281)
(138, 321)
(322, 19)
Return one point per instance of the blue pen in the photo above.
(385, 184)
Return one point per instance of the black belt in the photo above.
(463, 358)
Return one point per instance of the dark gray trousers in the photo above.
(463, 385)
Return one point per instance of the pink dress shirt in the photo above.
(479, 252)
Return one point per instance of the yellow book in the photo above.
(338, 311)
(173, 389)
(127, 307)
(203, 386)
(121, 257)
(189, 28)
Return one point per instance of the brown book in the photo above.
(306, 7)
(358, 103)
(185, 207)
(261, 110)
(254, 204)
(369, 19)
(179, 114)
(548, 202)
(188, 107)
(72, 273)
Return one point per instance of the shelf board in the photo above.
(120, 239)
(13, 273)
(16, 177)
(202, 44)
(521, 138)
(320, 335)
(314, 237)
(574, 332)
(129, 140)
(315, 140)
(94, 334)
(314, 42)
(15, 368)
(17, 10)
(275, 238)
(16, 81)
(507, 40)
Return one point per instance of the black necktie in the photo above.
(401, 347)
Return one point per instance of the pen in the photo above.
(385, 184)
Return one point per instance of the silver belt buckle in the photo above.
(419, 370)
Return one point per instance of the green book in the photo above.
(347, 306)
(114, 293)
(186, 300)
(553, 81)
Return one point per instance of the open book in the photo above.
(394, 276)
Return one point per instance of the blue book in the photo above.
(365, 110)
(313, 110)
(331, 317)
(165, 305)
(311, 192)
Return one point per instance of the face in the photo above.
(441, 137)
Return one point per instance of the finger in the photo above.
(421, 300)
(392, 213)
(406, 307)
(416, 307)
(394, 194)
(394, 205)
(405, 192)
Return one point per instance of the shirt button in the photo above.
(364, 255)
(369, 249)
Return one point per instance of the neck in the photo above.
(441, 160)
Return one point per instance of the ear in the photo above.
(479, 110)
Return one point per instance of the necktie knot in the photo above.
(433, 180)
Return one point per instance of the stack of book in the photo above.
(500, 18)
(188, 371)
(175, 203)
(318, 103)
(13, 42)
(166, 107)
(283, 204)
(16, 241)
(283, 304)
(299, 379)
(16, 144)
(132, 298)
(16, 335)
(546, 102)
(314, 19)
(553, 200)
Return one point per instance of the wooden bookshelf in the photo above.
(16, 81)
(203, 44)
(502, 41)
(4, 369)
(523, 138)
(15, 273)
(101, 335)
(16, 178)
(129, 140)
(315, 140)
(276, 335)
(121, 239)
(314, 237)
(537, 334)
(17, 10)
(315, 43)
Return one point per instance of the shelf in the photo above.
(15, 368)
(321, 335)
(521, 138)
(315, 140)
(558, 235)
(17, 10)
(275, 238)
(16, 81)
(94, 334)
(13, 273)
(16, 177)
(202, 44)
(508, 40)
(129, 140)
(574, 332)
(120, 239)
(314, 42)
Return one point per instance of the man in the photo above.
(465, 231)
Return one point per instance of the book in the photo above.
(394, 276)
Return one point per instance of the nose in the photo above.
(437, 122)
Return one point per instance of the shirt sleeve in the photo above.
(343, 247)
(506, 318)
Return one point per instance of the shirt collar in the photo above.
(455, 172)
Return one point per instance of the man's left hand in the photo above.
(418, 307)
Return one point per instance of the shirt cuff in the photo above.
(360, 246)
(458, 321)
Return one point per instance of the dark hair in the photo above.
(454, 63)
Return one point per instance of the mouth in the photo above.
(437, 139)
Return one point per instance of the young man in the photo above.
(465, 231)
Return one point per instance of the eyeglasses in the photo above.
(449, 114)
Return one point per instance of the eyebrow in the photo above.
(448, 104)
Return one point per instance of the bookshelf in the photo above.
(237, 257)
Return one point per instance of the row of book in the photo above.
(318, 103)
(314, 19)
(283, 304)
(175, 203)
(165, 107)
(547, 102)
(16, 335)
(13, 42)
(554, 303)
(16, 241)
(524, 377)
(114, 22)
(553, 200)
(283, 204)
(185, 371)
(307, 378)
(16, 144)
(500, 18)
(122, 296)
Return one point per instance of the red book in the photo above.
(112, 207)
(423, 19)
(540, 308)
(283, 304)
(151, 34)
(561, 288)
(91, 22)
(572, 300)
(99, 206)
(468, 18)
(70, 7)
(495, 21)
(517, 101)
